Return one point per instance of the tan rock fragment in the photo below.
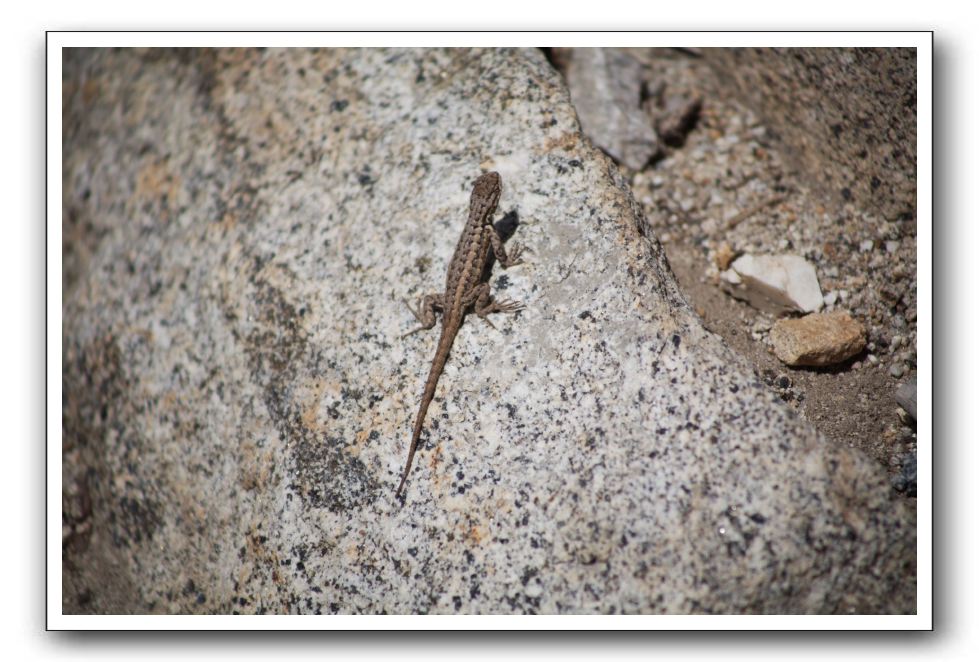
(819, 339)
(724, 256)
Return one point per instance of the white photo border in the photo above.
(920, 40)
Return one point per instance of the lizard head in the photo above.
(486, 193)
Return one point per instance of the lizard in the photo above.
(464, 289)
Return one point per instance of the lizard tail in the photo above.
(438, 364)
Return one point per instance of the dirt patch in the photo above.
(729, 189)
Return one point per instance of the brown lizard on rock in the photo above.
(464, 288)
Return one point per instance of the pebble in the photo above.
(907, 396)
(776, 283)
(819, 339)
(831, 298)
(907, 480)
(892, 246)
(897, 370)
(866, 245)
(872, 359)
(724, 256)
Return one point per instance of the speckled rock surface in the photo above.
(238, 403)
(605, 88)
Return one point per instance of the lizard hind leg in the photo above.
(485, 305)
(425, 313)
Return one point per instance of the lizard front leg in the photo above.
(427, 306)
(505, 260)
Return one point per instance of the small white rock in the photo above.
(831, 297)
(731, 276)
(785, 281)
(892, 246)
(866, 245)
